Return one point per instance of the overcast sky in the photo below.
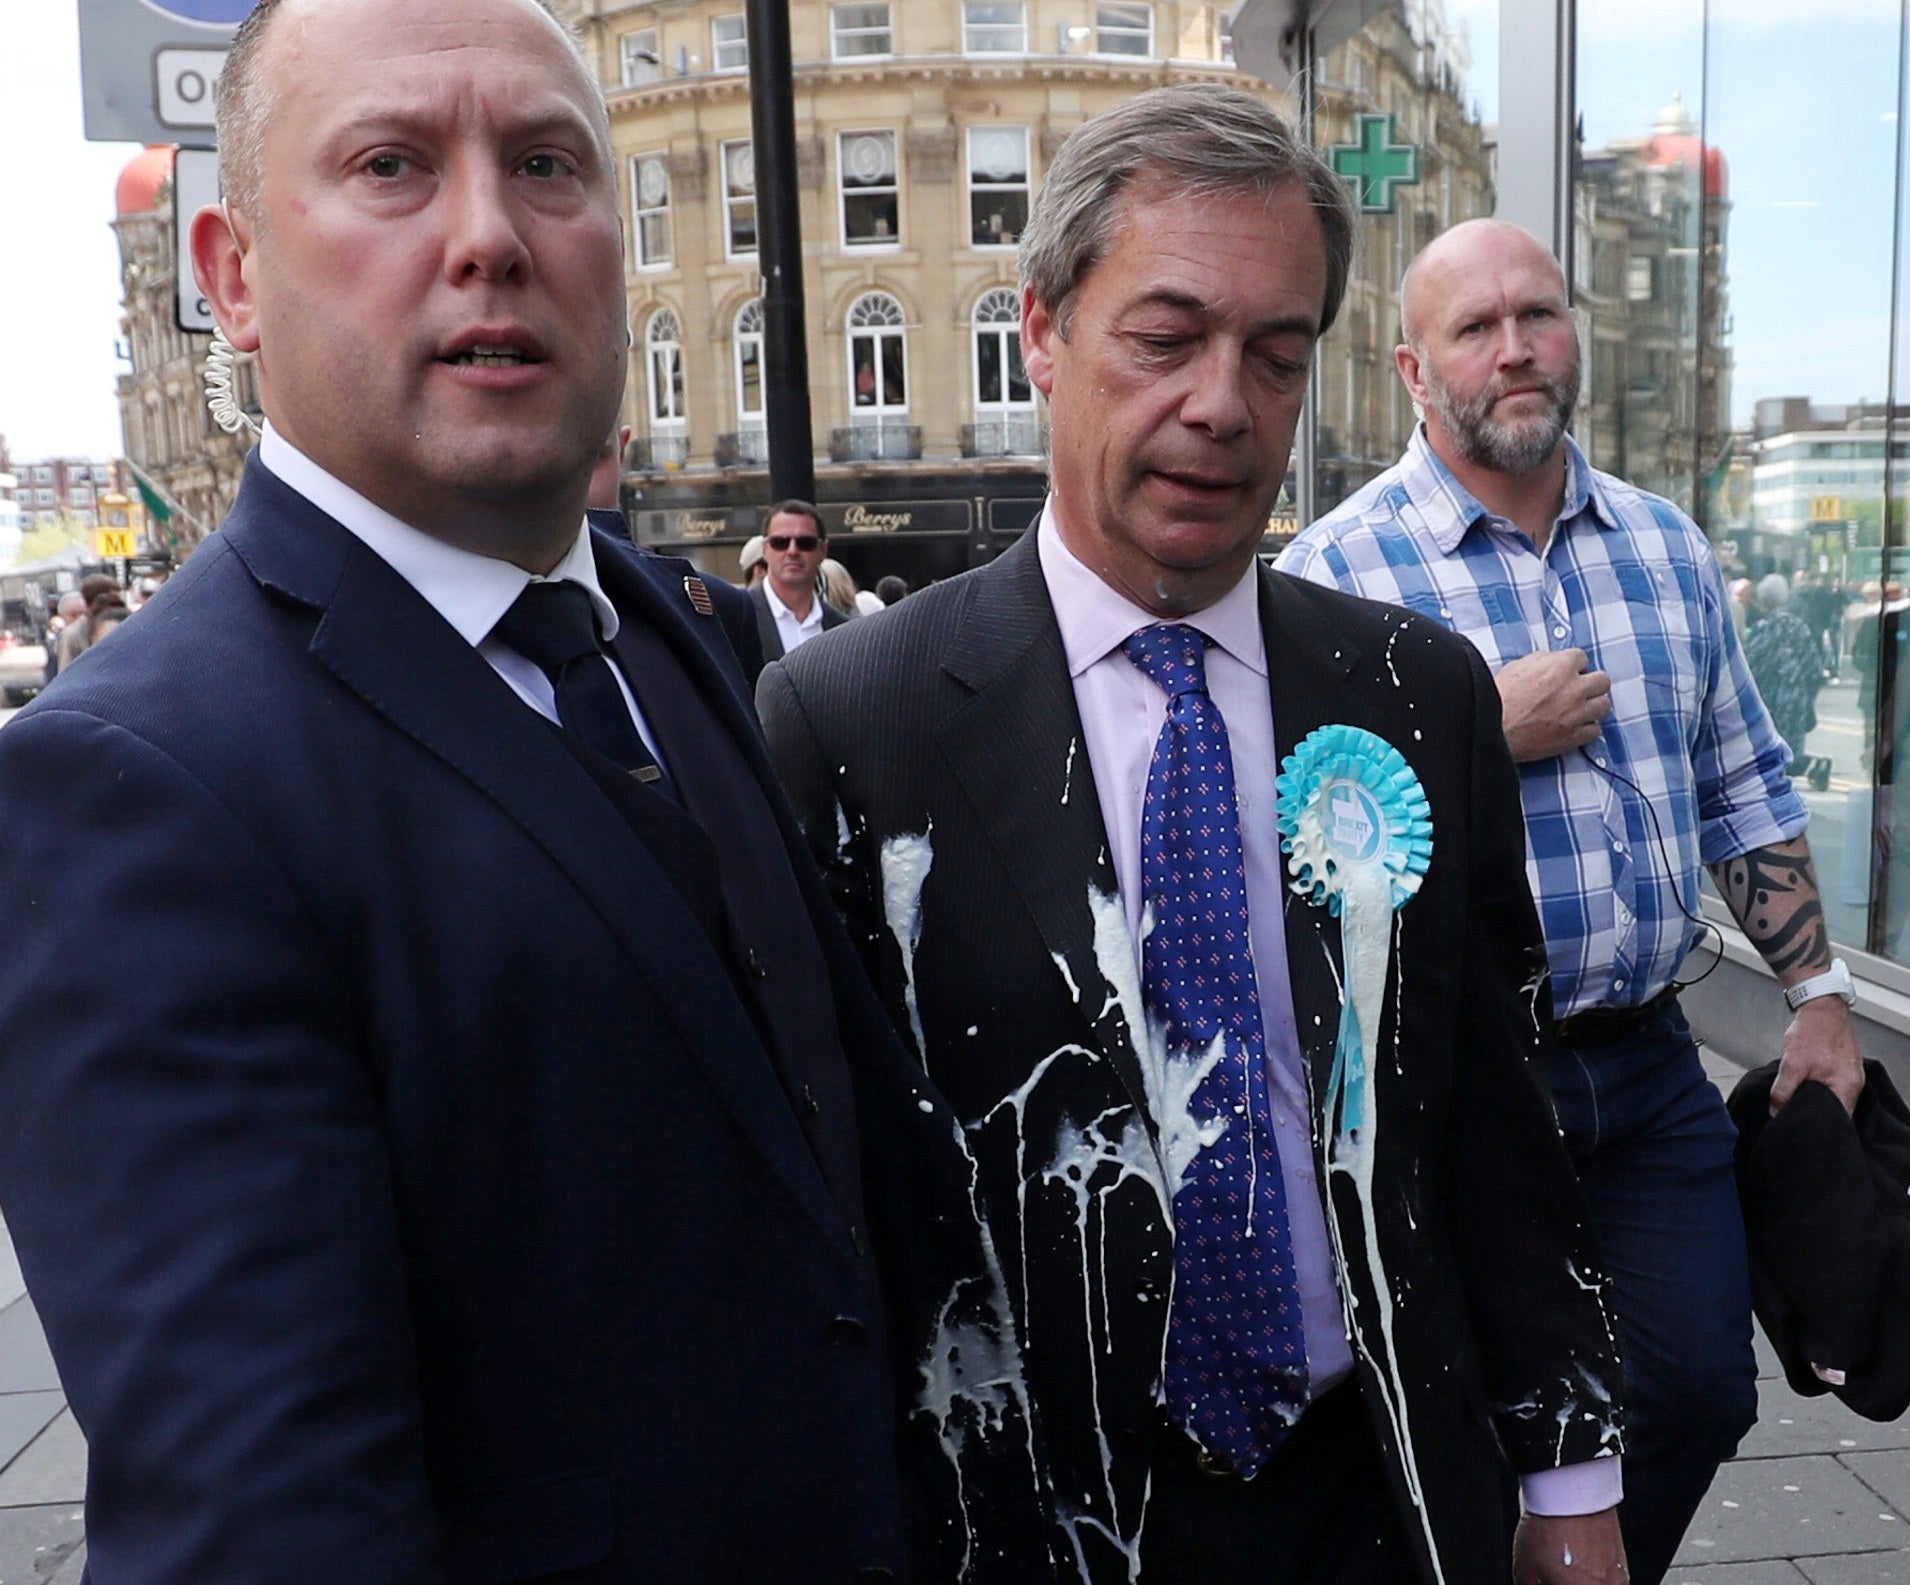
(59, 265)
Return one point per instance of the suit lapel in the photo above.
(1017, 750)
(1306, 664)
(381, 640)
(766, 628)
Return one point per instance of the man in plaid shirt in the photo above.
(1644, 752)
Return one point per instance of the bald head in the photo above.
(1467, 251)
(1490, 356)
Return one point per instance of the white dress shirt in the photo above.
(1121, 715)
(793, 630)
(471, 592)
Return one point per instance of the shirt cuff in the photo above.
(1591, 1487)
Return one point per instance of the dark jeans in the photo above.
(1653, 1144)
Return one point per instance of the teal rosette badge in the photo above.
(1357, 831)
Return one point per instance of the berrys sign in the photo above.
(147, 67)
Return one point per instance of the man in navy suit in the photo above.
(473, 1189)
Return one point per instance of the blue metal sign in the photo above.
(147, 67)
(209, 13)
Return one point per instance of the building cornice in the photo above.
(1008, 71)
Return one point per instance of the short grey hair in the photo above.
(1197, 140)
(1773, 591)
(242, 105)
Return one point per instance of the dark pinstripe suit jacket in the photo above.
(934, 755)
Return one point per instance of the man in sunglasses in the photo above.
(789, 610)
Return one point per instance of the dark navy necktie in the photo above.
(1236, 1349)
(554, 626)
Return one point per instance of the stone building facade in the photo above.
(923, 131)
(162, 408)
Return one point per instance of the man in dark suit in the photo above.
(604, 510)
(468, 1187)
(1291, 1275)
(790, 609)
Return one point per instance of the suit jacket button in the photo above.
(847, 1331)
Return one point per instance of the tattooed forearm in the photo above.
(1773, 894)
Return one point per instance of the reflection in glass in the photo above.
(1399, 86)
(1732, 269)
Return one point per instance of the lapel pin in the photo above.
(699, 594)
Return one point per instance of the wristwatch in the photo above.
(1836, 982)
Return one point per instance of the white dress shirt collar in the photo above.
(1096, 618)
(469, 591)
(795, 629)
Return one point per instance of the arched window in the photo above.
(748, 340)
(878, 359)
(1005, 422)
(663, 364)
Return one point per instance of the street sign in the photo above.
(195, 183)
(112, 543)
(147, 67)
(1827, 508)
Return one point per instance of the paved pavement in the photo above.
(1816, 1495)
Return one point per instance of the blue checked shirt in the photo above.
(1630, 580)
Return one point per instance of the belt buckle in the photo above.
(1212, 1465)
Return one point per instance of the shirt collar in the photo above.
(813, 619)
(1096, 618)
(469, 591)
(1449, 508)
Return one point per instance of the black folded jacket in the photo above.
(1827, 1212)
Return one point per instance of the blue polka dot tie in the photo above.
(1236, 1351)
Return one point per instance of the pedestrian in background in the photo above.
(790, 606)
(1787, 660)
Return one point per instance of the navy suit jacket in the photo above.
(733, 607)
(402, 1180)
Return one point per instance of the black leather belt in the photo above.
(1601, 1026)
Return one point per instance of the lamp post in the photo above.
(792, 465)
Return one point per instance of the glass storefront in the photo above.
(1735, 240)
(1769, 175)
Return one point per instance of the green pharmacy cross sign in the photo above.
(1376, 165)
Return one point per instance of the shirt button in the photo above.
(1618, 985)
(1558, 632)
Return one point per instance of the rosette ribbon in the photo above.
(1357, 831)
